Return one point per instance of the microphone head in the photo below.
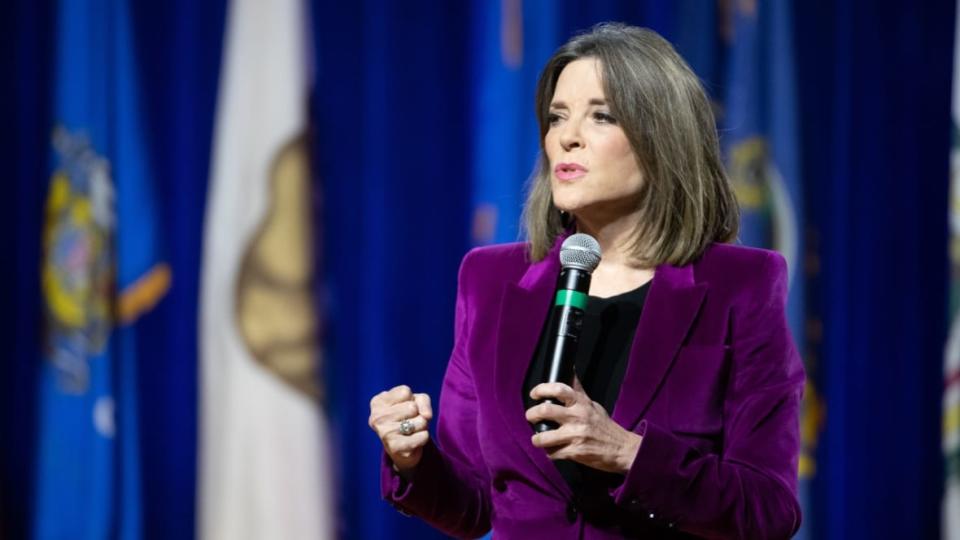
(580, 251)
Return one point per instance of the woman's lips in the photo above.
(569, 171)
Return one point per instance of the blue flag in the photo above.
(761, 145)
(100, 271)
(513, 41)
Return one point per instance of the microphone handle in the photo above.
(560, 364)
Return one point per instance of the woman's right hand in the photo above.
(387, 411)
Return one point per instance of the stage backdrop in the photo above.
(424, 138)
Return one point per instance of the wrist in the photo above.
(406, 472)
(629, 450)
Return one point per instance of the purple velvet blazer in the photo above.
(713, 385)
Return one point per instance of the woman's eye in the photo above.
(553, 118)
(604, 118)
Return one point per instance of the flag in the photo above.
(264, 458)
(761, 147)
(512, 41)
(100, 271)
(950, 529)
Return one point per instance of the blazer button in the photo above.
(572, 512)
(500, 485)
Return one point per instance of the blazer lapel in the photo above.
(523, 310)
(669, 310)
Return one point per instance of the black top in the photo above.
(609, 325)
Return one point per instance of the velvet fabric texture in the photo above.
(713, 386)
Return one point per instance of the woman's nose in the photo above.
(570, 137)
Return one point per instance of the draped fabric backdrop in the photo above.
(424, 138)
(875, 110)
(26, 53)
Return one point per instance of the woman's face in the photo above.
(593, 172)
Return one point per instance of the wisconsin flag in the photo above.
(264, 440)
(100, 272)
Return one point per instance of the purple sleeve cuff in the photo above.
(439, 493)
(634, 479)
(656, 460)
(409, 496)
(393, 487)
(664, 486)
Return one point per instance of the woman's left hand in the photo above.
(586, 434)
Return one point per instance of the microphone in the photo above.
(579, 256)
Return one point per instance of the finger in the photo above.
(419, 423)
(547, 411)
(569, 434)
(404, 445)
(551, 439)
(396, 394)
(389, 427)
(561, 452)
(401, 411)
(423, 404)
(384, 417)
(399, 393)
(558, 391)
(577, 387)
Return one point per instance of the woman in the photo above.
(683, 418)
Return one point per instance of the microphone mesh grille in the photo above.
(580, 251)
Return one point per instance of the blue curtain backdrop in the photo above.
(179, 49)
(875, 96)
(391, 144)
(25, 61)
(405, 164)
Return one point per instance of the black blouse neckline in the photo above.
(603, 353)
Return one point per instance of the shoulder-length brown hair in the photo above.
(686, 201)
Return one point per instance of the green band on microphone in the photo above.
(566, 297)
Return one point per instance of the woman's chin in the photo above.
(570, 205)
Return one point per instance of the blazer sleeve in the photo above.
(749, 489)
(449, 488)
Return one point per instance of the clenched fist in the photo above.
(400, 418)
